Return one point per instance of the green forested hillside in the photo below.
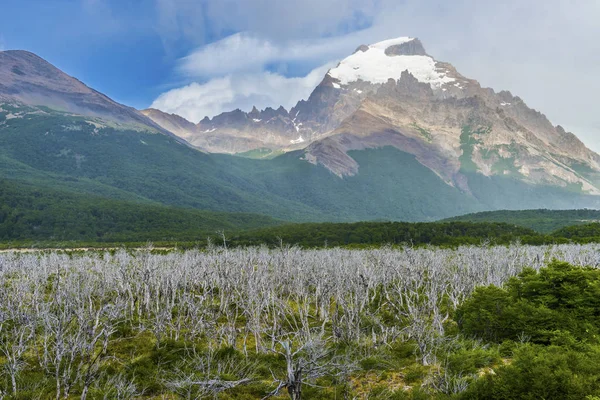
(544, 221)
(48, 149)
(28, 213)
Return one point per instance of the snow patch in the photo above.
(297, 141)
(256, 120)
(505, 104)
(376, 67)
(210, 130)
(335, 85)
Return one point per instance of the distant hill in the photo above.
(543, 221)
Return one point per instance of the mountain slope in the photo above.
(54, 150)
(28, 79)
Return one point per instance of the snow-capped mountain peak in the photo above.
(386, 60)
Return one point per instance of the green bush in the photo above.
(539, 372)
(541, 306)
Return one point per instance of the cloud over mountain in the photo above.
(262, 89)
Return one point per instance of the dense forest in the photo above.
(31, 216)
(381, 233)
(543, 221)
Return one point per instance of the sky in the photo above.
(198, 58)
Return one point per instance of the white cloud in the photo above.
(261, 89)
(244, 52)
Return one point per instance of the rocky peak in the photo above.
(254, 113)
(411, 48)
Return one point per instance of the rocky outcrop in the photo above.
(411, 48)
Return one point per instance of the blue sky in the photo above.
(202, 57)
(113, 46)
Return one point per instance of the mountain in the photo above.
(27, 79)
(448, 122)
(390, 152)
(393, 93)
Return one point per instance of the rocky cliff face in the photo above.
(393, 93)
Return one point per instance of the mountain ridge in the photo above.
(28, 79)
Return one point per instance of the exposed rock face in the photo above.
(28, 79)
(410, 48)
(478, 131)
(393, 94)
